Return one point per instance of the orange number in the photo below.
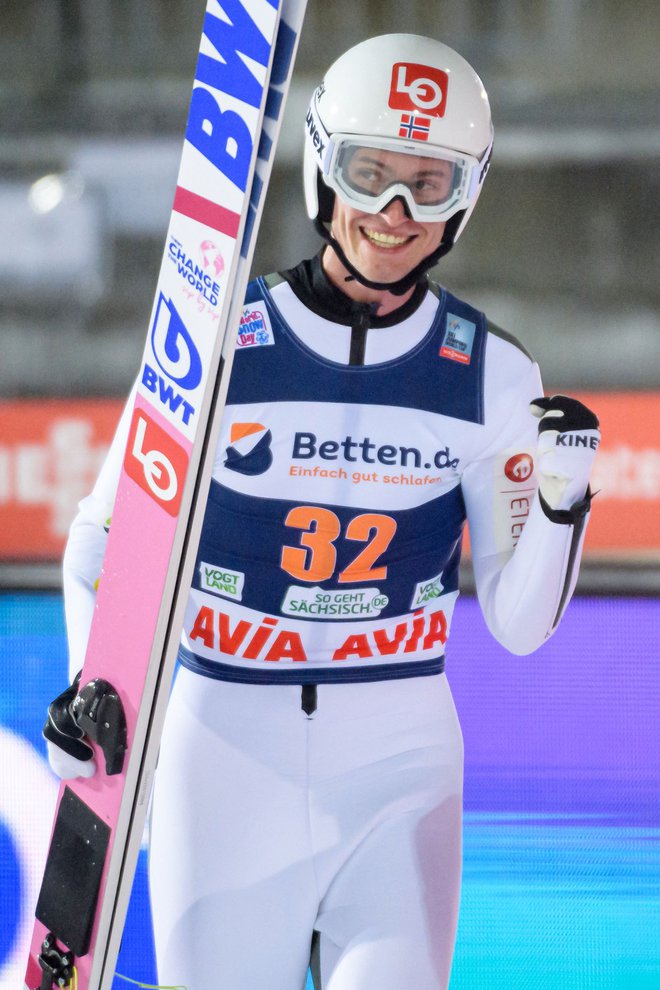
(361, 528)
(321, 528)
(316, 557)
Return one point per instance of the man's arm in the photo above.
(85, 548)
(69, 754)
(526, 576)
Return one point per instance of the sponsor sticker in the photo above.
(317, 603)
(426, 591)
(156, 462)
(418, 88)
(319, 137)
(200, 272)
(458, 339)
(230, 630)
(249, 451)
(515, 493)
(173, 346)
(519, 467)
(255, 329)
(307, 445)
(221, 580)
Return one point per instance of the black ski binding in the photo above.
(98, 710)
(56, 964)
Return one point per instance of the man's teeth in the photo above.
(385, 240)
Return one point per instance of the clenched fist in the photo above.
(568, 440)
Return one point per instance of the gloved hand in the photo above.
(69, 754)
(567, 444)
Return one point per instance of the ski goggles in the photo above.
(368, 174)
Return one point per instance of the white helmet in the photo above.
(406, 94)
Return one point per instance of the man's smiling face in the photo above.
(385, 246)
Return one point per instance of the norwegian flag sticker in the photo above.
(416, 128)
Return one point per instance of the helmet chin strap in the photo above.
(402, 285)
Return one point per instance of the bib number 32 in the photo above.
(315, 557)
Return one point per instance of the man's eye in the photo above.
(368, 174)
(426, 185)
(435, 181)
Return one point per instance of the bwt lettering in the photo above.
(306, 445)
(223, 137)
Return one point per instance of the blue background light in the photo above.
(562, 844)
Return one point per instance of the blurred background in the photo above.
(563, 251)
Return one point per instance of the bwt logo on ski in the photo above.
(249, 451)
(222, 136)
(177, 357)
(156, 462)
(307, 445)
(418, 88)
(255, 329)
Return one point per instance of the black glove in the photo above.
(568, 441)
(69, 754)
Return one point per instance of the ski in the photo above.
(246, 56)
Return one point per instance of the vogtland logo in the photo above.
(426, 591)
(221, 581)
(249, 448)
(308, 445)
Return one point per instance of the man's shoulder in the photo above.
(272, 280)
(261, 286)
(508, 338)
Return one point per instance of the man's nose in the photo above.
(396, 210)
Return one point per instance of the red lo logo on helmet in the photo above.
(418, 87)
(519, 467)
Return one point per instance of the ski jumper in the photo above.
(309, 789)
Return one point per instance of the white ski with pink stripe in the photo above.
(243, 73)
